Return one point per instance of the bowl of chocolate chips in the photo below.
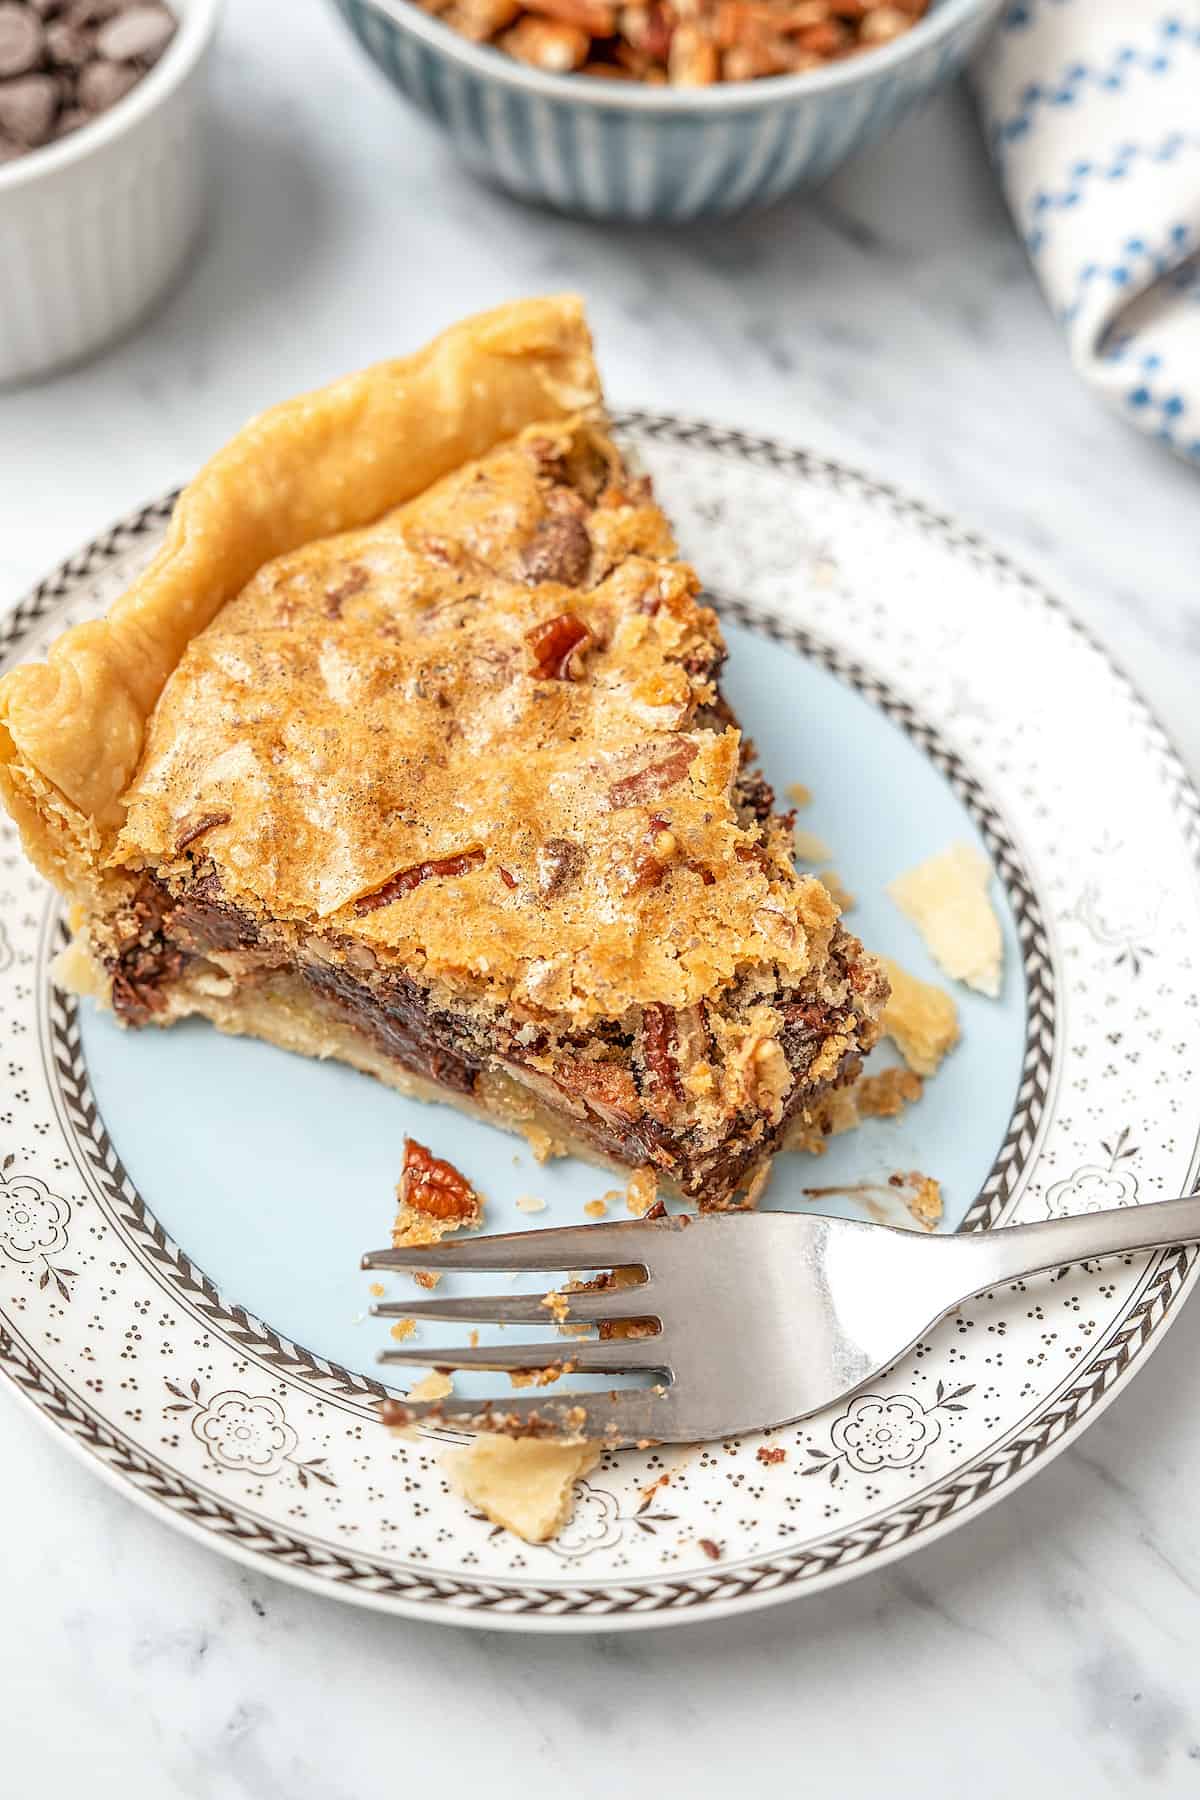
(102, 177)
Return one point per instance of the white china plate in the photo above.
(181, 1214)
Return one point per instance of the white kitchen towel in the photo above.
(1092, 115)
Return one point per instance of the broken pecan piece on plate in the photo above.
(435, 1198)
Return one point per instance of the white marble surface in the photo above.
(1053, 1643)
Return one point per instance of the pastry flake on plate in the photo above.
(947, 899)
(408, 749)
(920, 1019)
(525, 1484)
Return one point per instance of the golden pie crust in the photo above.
(72, 729)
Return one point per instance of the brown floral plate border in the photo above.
(213, 1418)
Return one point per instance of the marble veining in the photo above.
(890, 321)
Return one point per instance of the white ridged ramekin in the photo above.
(94, 229)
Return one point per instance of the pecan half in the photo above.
(656, 778)
(405, 880)
(557, 646)
(435, 1189)
(649, 28)
(692, 60)
(560, 550)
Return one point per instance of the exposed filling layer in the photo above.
(655, 1089)
(464, 782)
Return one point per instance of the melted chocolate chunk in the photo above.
(146, 957)
(560, 550)
(396, 1015)
(203, 919)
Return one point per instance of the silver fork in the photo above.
(760, 1318)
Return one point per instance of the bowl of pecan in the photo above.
(101, 167)
(664, 109)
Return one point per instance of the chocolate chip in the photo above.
(93, 12)
(20, 39)
(102, 84)
(62, 62)
(70, 120)
(28, 107)
(67, 46)
(140, 34)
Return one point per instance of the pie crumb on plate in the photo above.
(883, 1095)
(641, 1193)
(920, 1019)
(947, 899)
(527, 1485)
(435, 1386)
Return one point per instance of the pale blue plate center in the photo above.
(274, 1173)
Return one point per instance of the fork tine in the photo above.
(607, 1355)
(560, 1247)
(632, 1417)
(584, 1307)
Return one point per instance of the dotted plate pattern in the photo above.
(210, 1416)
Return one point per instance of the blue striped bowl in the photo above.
(620, 150)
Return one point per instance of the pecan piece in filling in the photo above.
(656, 778)
(198, 827)
(405, 880)
(658, 1044)
(557, 648)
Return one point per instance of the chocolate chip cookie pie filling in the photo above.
(409, 749)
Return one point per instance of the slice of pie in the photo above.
(408, 749)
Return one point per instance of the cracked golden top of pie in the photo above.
(476, 736)
(479, 735)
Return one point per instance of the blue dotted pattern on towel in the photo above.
(1086, 171)
(1092, 115)
(1080, 80)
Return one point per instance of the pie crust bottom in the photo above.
(284, 1012)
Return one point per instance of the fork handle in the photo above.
(1017, 1250)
